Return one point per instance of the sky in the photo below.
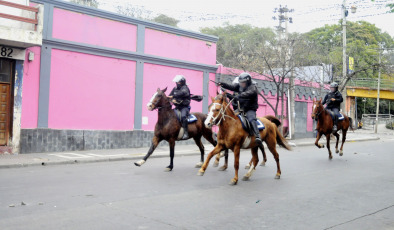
(307, 15)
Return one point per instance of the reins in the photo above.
(222, 112)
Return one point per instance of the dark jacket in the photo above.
(333, 104)
(181, 95)
(248, 97)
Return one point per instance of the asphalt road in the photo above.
(355, 191)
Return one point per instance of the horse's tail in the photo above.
(351, 124)
(281, 140)
(273, 119)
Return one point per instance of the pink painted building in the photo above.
(87, 85)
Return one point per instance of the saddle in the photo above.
(190, 119)
(246, 125)
(340, 117)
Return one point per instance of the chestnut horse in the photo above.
(168, 128)
(325, 124)
(232, 136)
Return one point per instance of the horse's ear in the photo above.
(158, 89)
(314, 100)
(212, 99)
(320, 100)
(164, 90)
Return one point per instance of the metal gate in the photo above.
(301, 113)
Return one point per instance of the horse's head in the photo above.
(317, 109)
(216, 110)
(158, 99)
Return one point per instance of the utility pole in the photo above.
(344, 66)
(377, 100)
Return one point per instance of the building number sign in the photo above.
(6, 52)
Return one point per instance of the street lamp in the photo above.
(364, 100)
(344, 68)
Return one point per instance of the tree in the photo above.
(363, 42)
(89, 3)
(164, 19)
(134, 11)
(233, 40)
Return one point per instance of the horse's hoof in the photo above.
(245, 178)
(233, 182)
(247, 166)
(215, 164)
(277, 176)
(139, 163)
(168, 169)
(336, 151)
(341, 153)
(198, 165)
(330, 157)
(200, 173)
(223, 168)
(262, 163)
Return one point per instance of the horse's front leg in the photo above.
(155, 142)
(328, 146)
(215, 151)
(237, 151)
(172, 154)
(317, 141)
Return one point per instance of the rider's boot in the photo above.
(335, 128)
(185, 127)
(256, 132)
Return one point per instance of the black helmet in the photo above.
(245, 77)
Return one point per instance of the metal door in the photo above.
(301, 113)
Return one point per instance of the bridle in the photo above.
(318, 114)
(160, 107)
(221, 112)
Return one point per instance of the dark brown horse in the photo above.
(169, 128)
(325, 124)
(232, 136)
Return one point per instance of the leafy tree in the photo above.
(89, 3)
(363, 42)
(164, 19)
(234, 40)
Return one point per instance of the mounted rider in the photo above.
(248, 99)
(180, 96)
(333, 100)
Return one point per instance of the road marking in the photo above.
(73, 155)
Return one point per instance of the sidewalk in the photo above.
(42, 159)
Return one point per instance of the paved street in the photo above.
(350, 192)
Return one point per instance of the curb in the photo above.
(350, 140)
(109, 159)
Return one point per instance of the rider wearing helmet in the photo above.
(247, 96)
(333, 100)
(181, 98)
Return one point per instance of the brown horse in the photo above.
(232, 136)
(169, 128)
(271, 118)
(325, 124)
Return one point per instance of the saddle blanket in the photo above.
(190, 119)
(246, 125)
(340, 117)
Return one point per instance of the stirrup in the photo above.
(185, 136)
(334, 128)
(258, 141)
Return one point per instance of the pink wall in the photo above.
(158, 76)
(30, 90)
(91, 92)
(179, 47)
(91, 30)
